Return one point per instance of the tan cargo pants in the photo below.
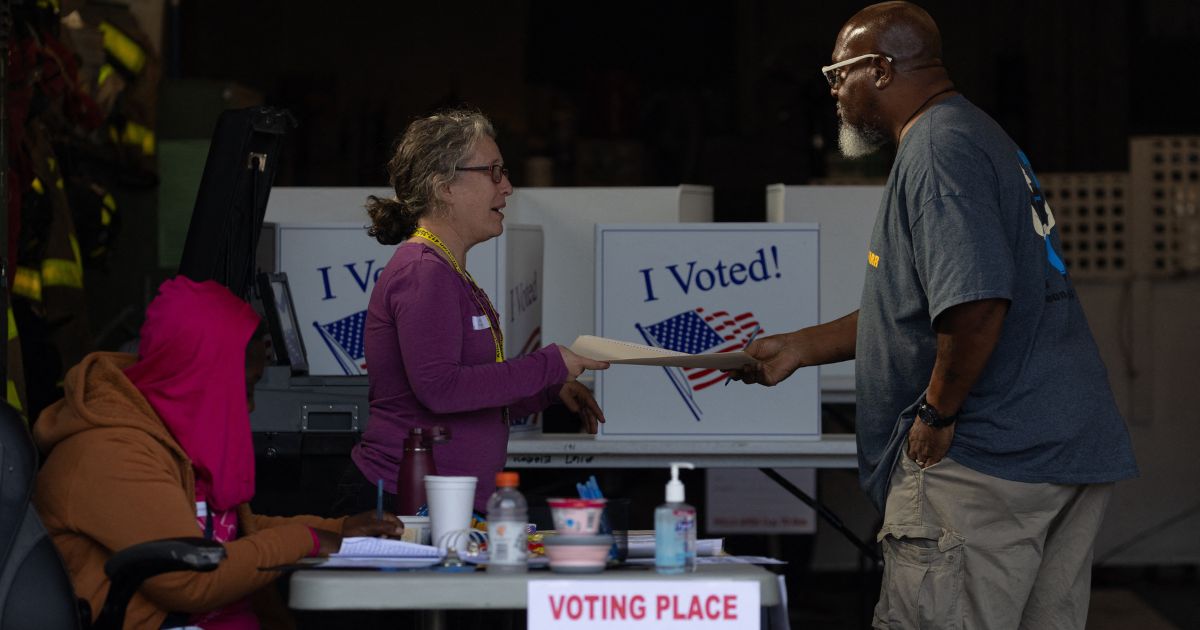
(967, 550)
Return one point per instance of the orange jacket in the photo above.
(115, 477)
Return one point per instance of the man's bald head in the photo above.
(888, 70)
(900, 30)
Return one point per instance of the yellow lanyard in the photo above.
(493, 326)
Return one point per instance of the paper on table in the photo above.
(642, 546)
(625, 352)
(717, 560)
(358, 562)
(368, 547)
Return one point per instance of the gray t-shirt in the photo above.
(963, 219)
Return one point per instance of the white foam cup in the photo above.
(451, 500)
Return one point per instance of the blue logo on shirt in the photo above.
(1043, 217)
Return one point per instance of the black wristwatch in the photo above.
(931, 416)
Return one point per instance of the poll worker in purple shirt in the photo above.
(434, 348)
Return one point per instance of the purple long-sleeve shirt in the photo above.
(431, 361)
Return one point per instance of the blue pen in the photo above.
(379, 500)
(748, 342)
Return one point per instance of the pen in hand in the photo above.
(379, 500)
(748, 342)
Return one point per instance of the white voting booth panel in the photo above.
(846, 215)
(568, 217)
(704, 288)
(332, 266)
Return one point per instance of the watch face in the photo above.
(930, 416)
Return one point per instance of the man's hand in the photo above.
(777, 357)
(365, 524)
(578, 398)
(927, 445)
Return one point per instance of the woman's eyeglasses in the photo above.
(497, 171)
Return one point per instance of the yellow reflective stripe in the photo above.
(53, 164)
(28, 283)
(75, 250)
(105, 217)
(60, 184)
(57, 272)
(106, 71)
(12, 325)
(37, 187)
(122, 48)
(13, 398)
(109, 202)
(136, 134)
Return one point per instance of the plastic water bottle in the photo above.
(507, 515)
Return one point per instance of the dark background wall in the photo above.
(659, 93)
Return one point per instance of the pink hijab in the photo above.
(192, 370)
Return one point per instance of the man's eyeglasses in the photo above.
(497, 171)
(834, 77)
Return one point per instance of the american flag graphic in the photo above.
(345, 340)
(698, 331)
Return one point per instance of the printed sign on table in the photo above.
(660, 604)
(705, 288)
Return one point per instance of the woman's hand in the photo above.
(577, 364)
(327, 542)
(365, 524)
(579, 400)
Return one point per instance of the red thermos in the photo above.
(417, 462)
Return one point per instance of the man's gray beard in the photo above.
(855, 142)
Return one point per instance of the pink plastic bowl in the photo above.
(576, 517)
(578, 554)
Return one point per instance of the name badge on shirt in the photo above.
(480, 322)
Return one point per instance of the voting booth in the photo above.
(704, 288)
(846, 215)
(319, 239)
(568, 217)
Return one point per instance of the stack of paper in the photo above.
(641, 545)
(379, 553)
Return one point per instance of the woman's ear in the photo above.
(444, 193)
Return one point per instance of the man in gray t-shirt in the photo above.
(987, 431)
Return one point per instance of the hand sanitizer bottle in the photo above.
(675, 529)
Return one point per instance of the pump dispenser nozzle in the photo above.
(675, 486)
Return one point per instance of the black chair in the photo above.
(35, 590)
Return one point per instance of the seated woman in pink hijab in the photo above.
(158, 446)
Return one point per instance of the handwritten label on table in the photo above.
(679, 604)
